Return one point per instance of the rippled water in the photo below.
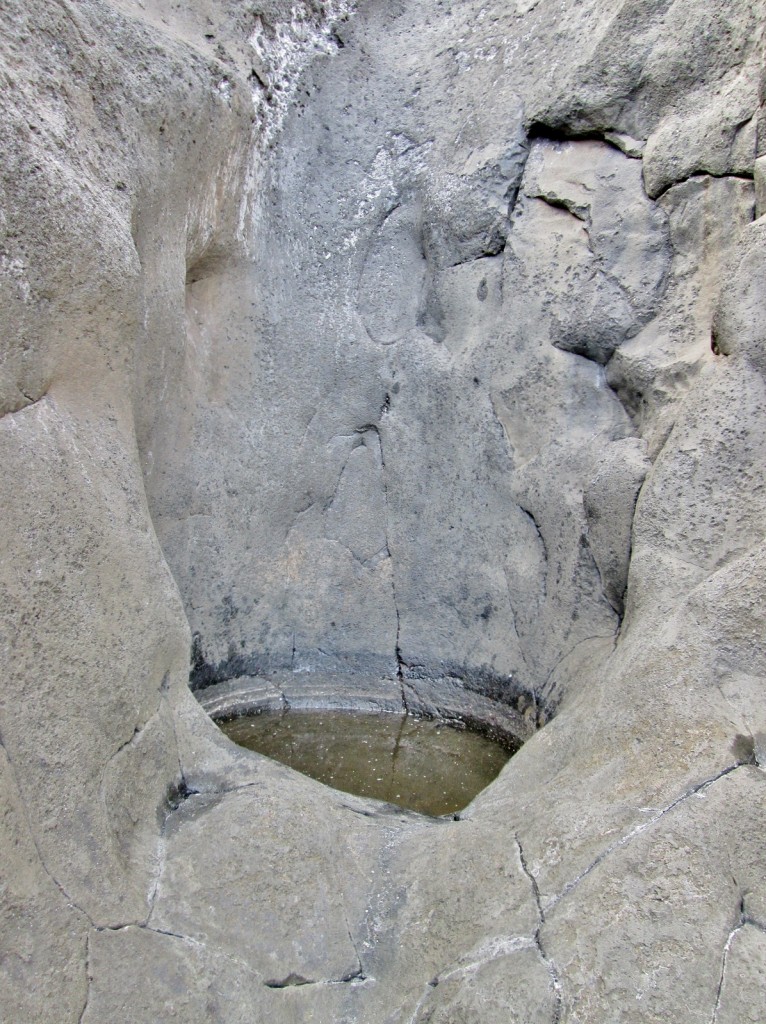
(418, 763)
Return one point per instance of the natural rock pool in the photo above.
(427, 765)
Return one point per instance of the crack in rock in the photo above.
(559, 203)
(181, 792)
(541, 538)
(293, 980)
(494, 949)
(359, 973)
(700, 174)
(188, 940)
(639, 829)
(138, 730)
(235, 961)
(567, 653)
(741, 922)
(29, 402)
(501, 946)
(88, 980)
(549, 963)
(33, 838)
(160, 871)
(487, 253)
(400, 664)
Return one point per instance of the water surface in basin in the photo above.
(423, 764)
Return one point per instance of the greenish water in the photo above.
(418, 763)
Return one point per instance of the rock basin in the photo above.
(428, 765)
(430, 745)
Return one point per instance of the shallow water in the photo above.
(418, 763)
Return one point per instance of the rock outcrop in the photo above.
(419, 343)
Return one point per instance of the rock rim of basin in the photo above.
(513, 717)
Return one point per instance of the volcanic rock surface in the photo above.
(418, 344)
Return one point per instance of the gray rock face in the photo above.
(414, 350)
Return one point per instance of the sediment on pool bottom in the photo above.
(428, 765)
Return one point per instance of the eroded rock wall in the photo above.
(128, 154)
(423, 340)
(471, 313)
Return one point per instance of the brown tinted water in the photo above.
(418, 763)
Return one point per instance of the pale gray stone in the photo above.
(742, 997)
(43, 936)
(516, 988)
(709, 135)
(610, 502)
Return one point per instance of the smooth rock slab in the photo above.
(266, 875)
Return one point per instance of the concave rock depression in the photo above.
(412, 350)
(427, 765)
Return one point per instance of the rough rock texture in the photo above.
(422, 344)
